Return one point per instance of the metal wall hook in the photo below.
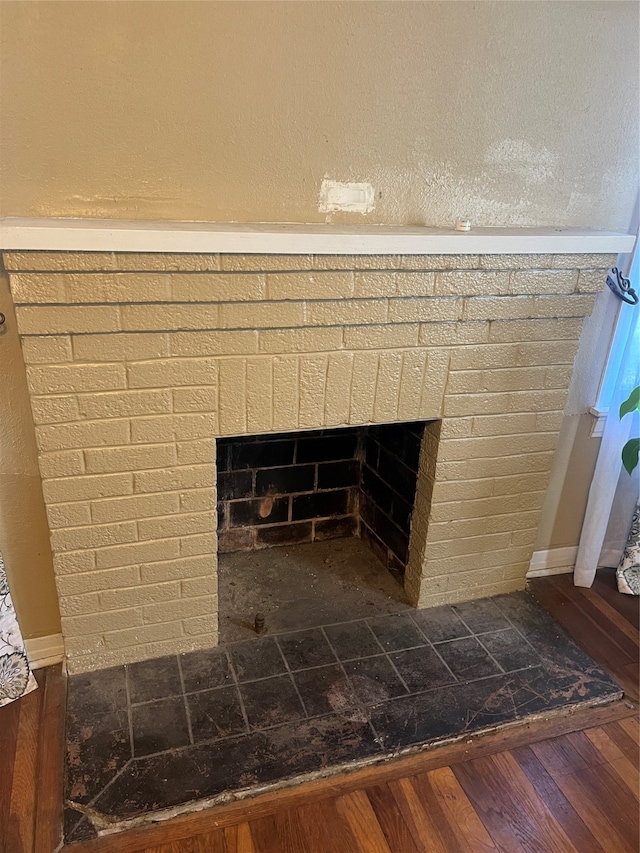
(2, 319)
(621, 287)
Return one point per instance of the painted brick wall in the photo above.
(136, 363)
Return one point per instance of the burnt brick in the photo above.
(417, 427)
(400, 440)
(336, 475)
(284, 534)
(391, 437)
(371, 453)
(401, 513)
(281, 436)
(396, 567)
(336, 528)
(394, 538)
(397, 475)
(320, 505)
(264, 453)
(367, 509)
(315, 433)
(372, 485)
(238, 539)
(254, 512)
(328, 448)
(222, 454)
(377, 546)
(235, 484)
(285, 481)
(412, 452)
(221, 516)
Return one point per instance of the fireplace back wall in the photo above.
(287, 488)
(137, 363)
(321, 484)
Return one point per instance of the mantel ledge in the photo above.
(111, 235)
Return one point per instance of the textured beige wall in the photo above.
(135, 363)
(24, 534)
(577, 450)
(568, 490)
(509, 112)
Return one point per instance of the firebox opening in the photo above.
(292, 488)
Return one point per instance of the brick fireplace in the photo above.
(138, 364)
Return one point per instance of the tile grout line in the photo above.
(482, 646)
(475, 637)
(407, 609)
(236, 683)
(376, 638)
(360, 704)
(510, 626)
(187, 710)
(302, 669)
(226, 738)
(436, 652)
(129, 708)
(94, 800)
(518, 630)
(393, 666)
(515, 628)
(289, 672)
(396, 670)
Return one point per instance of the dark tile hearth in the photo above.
(159, 725)
(150, 736)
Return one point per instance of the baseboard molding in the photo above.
(44, 651)
(556, 561)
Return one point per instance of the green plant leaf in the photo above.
(630, 454)
(631, 403)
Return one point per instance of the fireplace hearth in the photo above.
(198, 728)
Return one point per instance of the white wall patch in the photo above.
(346, 195)
(518, 157)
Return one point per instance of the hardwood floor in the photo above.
(31, 745)
(600, 619)
(563, 784)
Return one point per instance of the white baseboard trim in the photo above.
(556, 561)
(44, 651)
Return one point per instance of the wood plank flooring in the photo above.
(563, 784)
(31, 746)
(576, 793)
(600, 619)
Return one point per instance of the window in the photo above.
(624, 328)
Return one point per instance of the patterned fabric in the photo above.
(16, 677)
(628, 572)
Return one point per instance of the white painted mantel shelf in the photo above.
(112, 235)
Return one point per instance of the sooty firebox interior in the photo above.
(293, 488)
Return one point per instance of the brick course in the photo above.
(136, 361)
